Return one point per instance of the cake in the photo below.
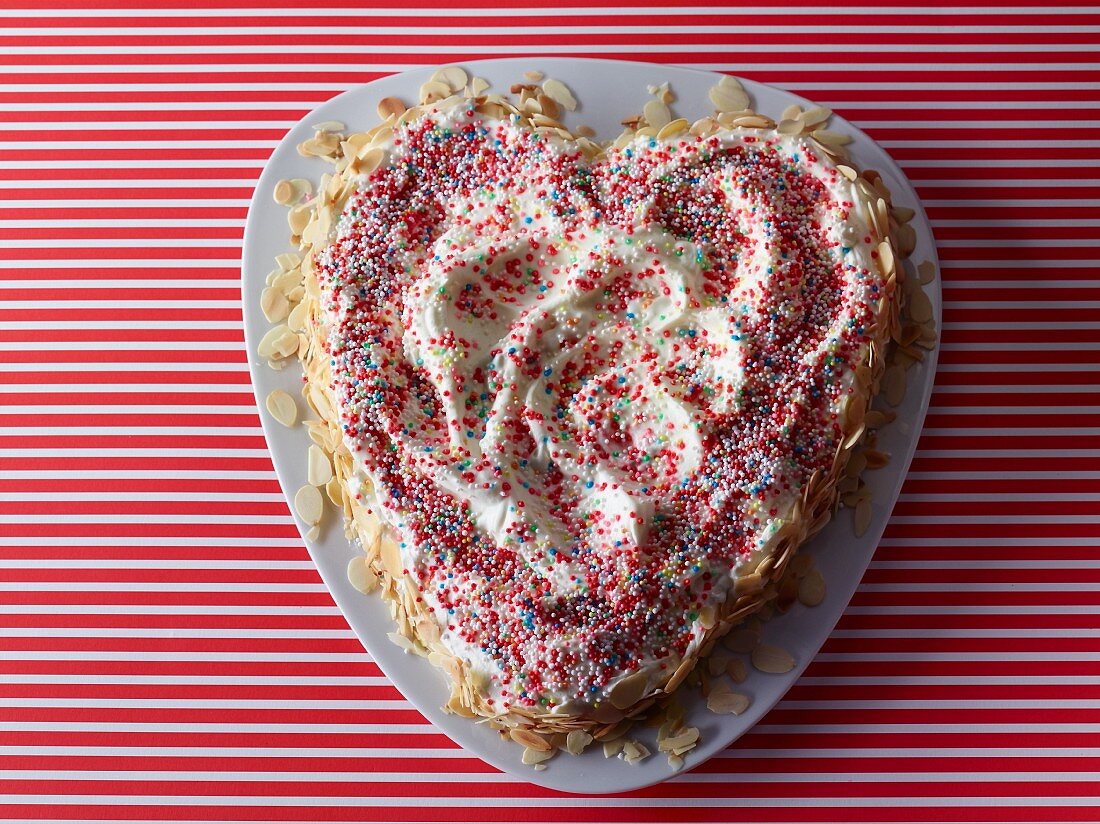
(581, 404)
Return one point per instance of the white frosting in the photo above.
(504, 497)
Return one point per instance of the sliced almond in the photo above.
(862, 517)
(634, 752)
(629, 691)
(361, 576)
(920, 307)
(772, 659)
(319, 467)
(576, 742)
(274, 304)
(530, 740)
(453, 76)
(282, 407)
(657, 114)
(728, 99)
(737, 670)
(789, 127)
(560, 93)
(309, 505)
(812, 118)
(535, 758)
(742, 640)
(726, 702)
(893, 385)
(391, 107)
(811, 589)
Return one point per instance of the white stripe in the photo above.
(534, 11)
(528, 802)
(324, 87)
(127, 263)
(121, 303)
(169, 632)
(114, 243)
(76, 406)
(94, 283)
(144, 388)
(158, 609)
(130, 495)
(236, 587)
(144, 563)
(141, 474)
(128, 324)
(192, 367)
(128, 345)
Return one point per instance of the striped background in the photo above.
(167, 651)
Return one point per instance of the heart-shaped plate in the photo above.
(840, 555)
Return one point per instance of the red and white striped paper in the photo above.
(167, 651)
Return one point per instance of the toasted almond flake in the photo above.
(288, 261)
(688, 737)
(724, 701)
(727, 98)
(535, 758)
(886, 257)
(862, 517)
(737, 670)
(285, 193)
(401, 641)
(319, 467)
(927, 272)
(560, 93)
(328, 126)
(576, 742)
(673, 128)
(269, 343)
(828, 138)
(656, 114)
(772, 659)
(789, 126)
(920, 307)
(634, 752)
(717, 663)
(282, 407)
(391, 556)
(792, 112)
(530, 740)
(361, 576)
(453, 76)
(748, 584)
(811, 589)
(478, 85)
(742, 640)
(876, 459)
(335, 491)
(812, 118)
(391, 107)
(533, 76)
(308, 504)
(369, 161)
(274, 304)
(298, 218)
(613, 747)
(905, 237)
(433, 91)
(728, 81)
(296, 320)
(629, 691)
(893, 385)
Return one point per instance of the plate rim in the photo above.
(386, 655)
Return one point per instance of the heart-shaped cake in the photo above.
(583, 402)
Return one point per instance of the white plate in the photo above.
(608, 91)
